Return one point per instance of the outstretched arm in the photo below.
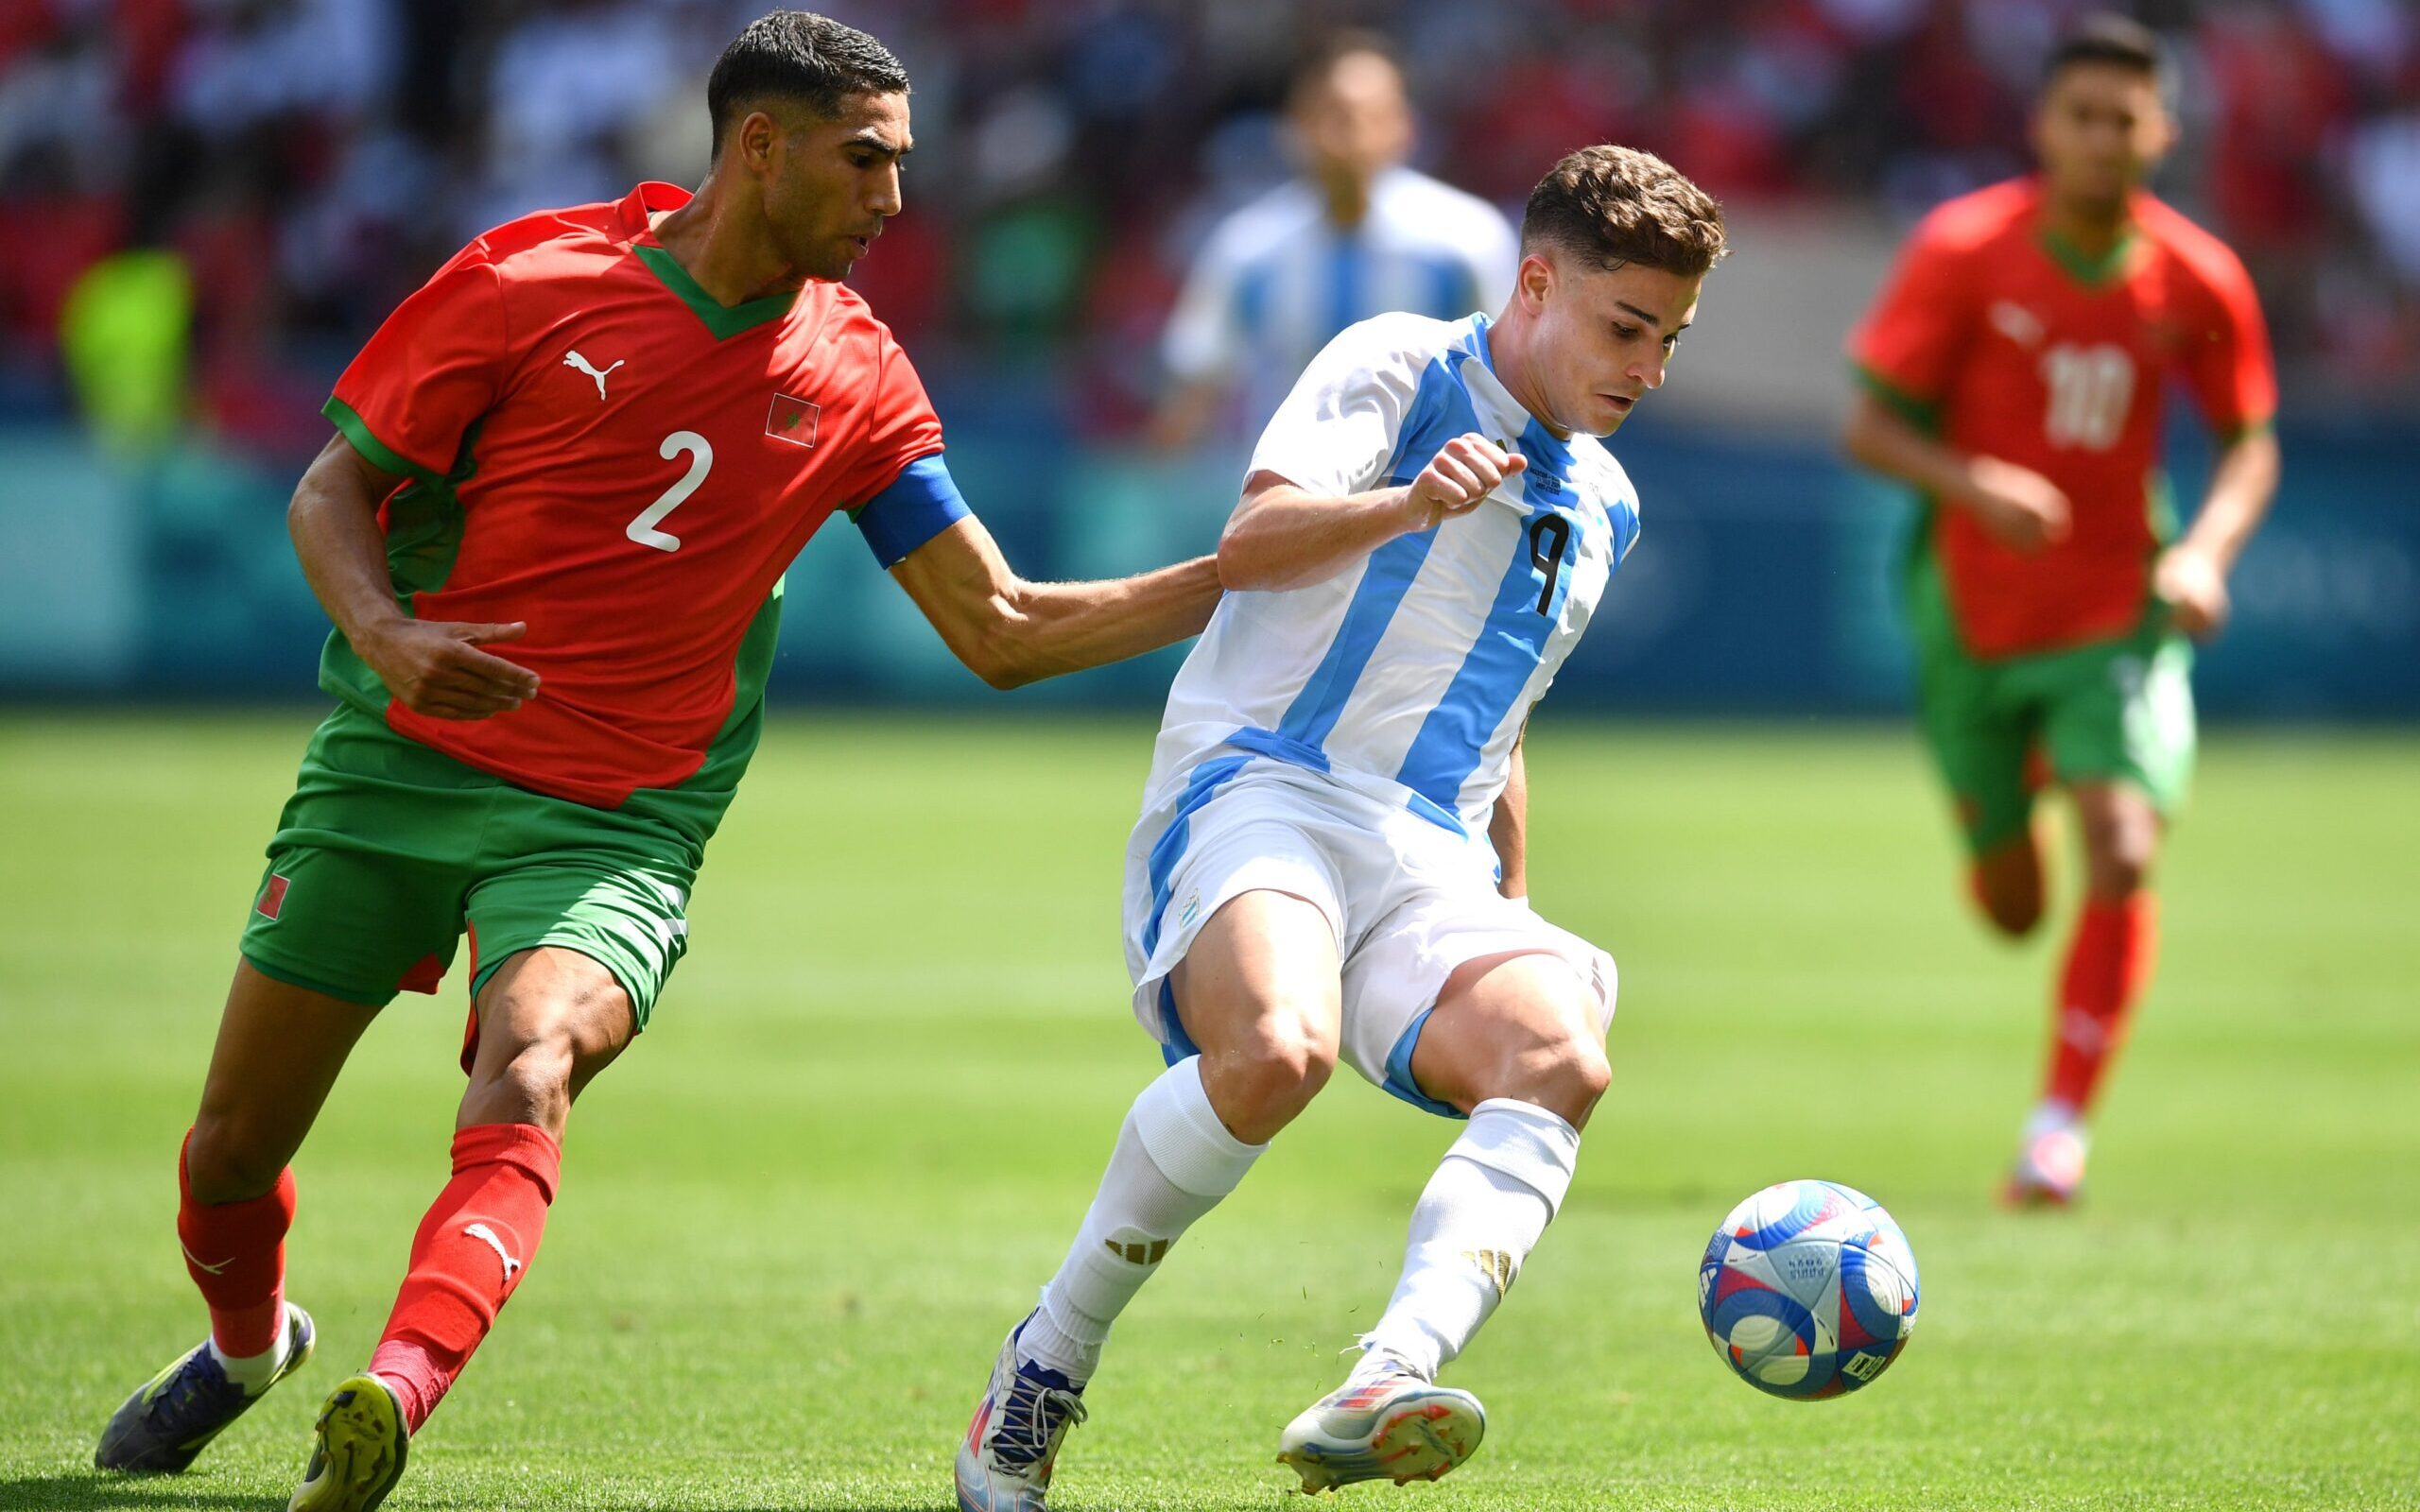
(1508, 829)
(1011, 632)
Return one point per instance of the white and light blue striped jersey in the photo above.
(1410, 674)
(1277, 279)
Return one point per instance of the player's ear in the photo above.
(1533, 284)
(757, 137)
(2167, 131)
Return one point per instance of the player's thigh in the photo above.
(1426, 961)
(1259, 982)
(1981, 739)
(1233, 921)
(279, 1050)
(2009, 887)
(2122, 714)
(1520, 1026)
(346, 920)
(547, 1020)
(362, 895)
(611, 888)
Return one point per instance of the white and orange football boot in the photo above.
(1385, 1423)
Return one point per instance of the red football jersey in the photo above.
(2020, 350)
(596, 447)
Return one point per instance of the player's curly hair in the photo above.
(797, 54)
(1615, 206)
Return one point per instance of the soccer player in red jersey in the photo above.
(569, 473)
(2014, 366)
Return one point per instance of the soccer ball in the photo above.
(1809, 1290)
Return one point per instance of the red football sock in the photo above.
(472, 1250)
(235, 1252)
(2109, 962)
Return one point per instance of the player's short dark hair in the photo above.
(1318, 63)
(1615, 206)
(797, 54)
(2113, 39)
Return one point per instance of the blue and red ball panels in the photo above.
(1809, 1290)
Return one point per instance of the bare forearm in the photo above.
(1049, 629)
(1879, 440)
(334, 521)
(1508, 829)
(2241, 487)
(1285, 537)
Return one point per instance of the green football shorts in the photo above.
(389, 851)
(2110, 710)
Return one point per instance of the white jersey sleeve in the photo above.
(1339, 428)
(1205, 337)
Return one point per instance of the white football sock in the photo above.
(1173, 1162)
(253, 1372)
(2050, 1115)
(1475, 1222)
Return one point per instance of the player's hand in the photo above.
(438, 669)
(1457, 480)
(2189, 581)
(2018, 506)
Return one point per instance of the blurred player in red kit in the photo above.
(2014, 367)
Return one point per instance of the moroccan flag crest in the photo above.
(792, 419)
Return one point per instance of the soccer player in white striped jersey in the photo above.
(1330, 861)
(1358, 232)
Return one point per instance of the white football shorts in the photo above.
(1409, 900)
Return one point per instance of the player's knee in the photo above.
(2119, 852)
(529, 1075)
(533, 1083)
(1272, 1076)
(539, 1045)
(2121, 873)
(1292, 1060)
(2013, 912)
(2008, 889)
(228, 1158)
(1564, 1073)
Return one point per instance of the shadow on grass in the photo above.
(93, 1491)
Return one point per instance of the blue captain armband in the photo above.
(921, 503)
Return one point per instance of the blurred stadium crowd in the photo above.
(216, 200)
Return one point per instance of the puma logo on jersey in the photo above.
(2016, 322)
(576, 360)
(487, 1236)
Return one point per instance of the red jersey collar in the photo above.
(644, 202)
(722, 321)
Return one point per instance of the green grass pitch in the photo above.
(797, 1218)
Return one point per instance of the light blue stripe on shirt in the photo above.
(1454, 737)
(1441, 410)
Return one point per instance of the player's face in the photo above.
(2099, 132)
(829, 185)
(1355, 121)
(1603, 336)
